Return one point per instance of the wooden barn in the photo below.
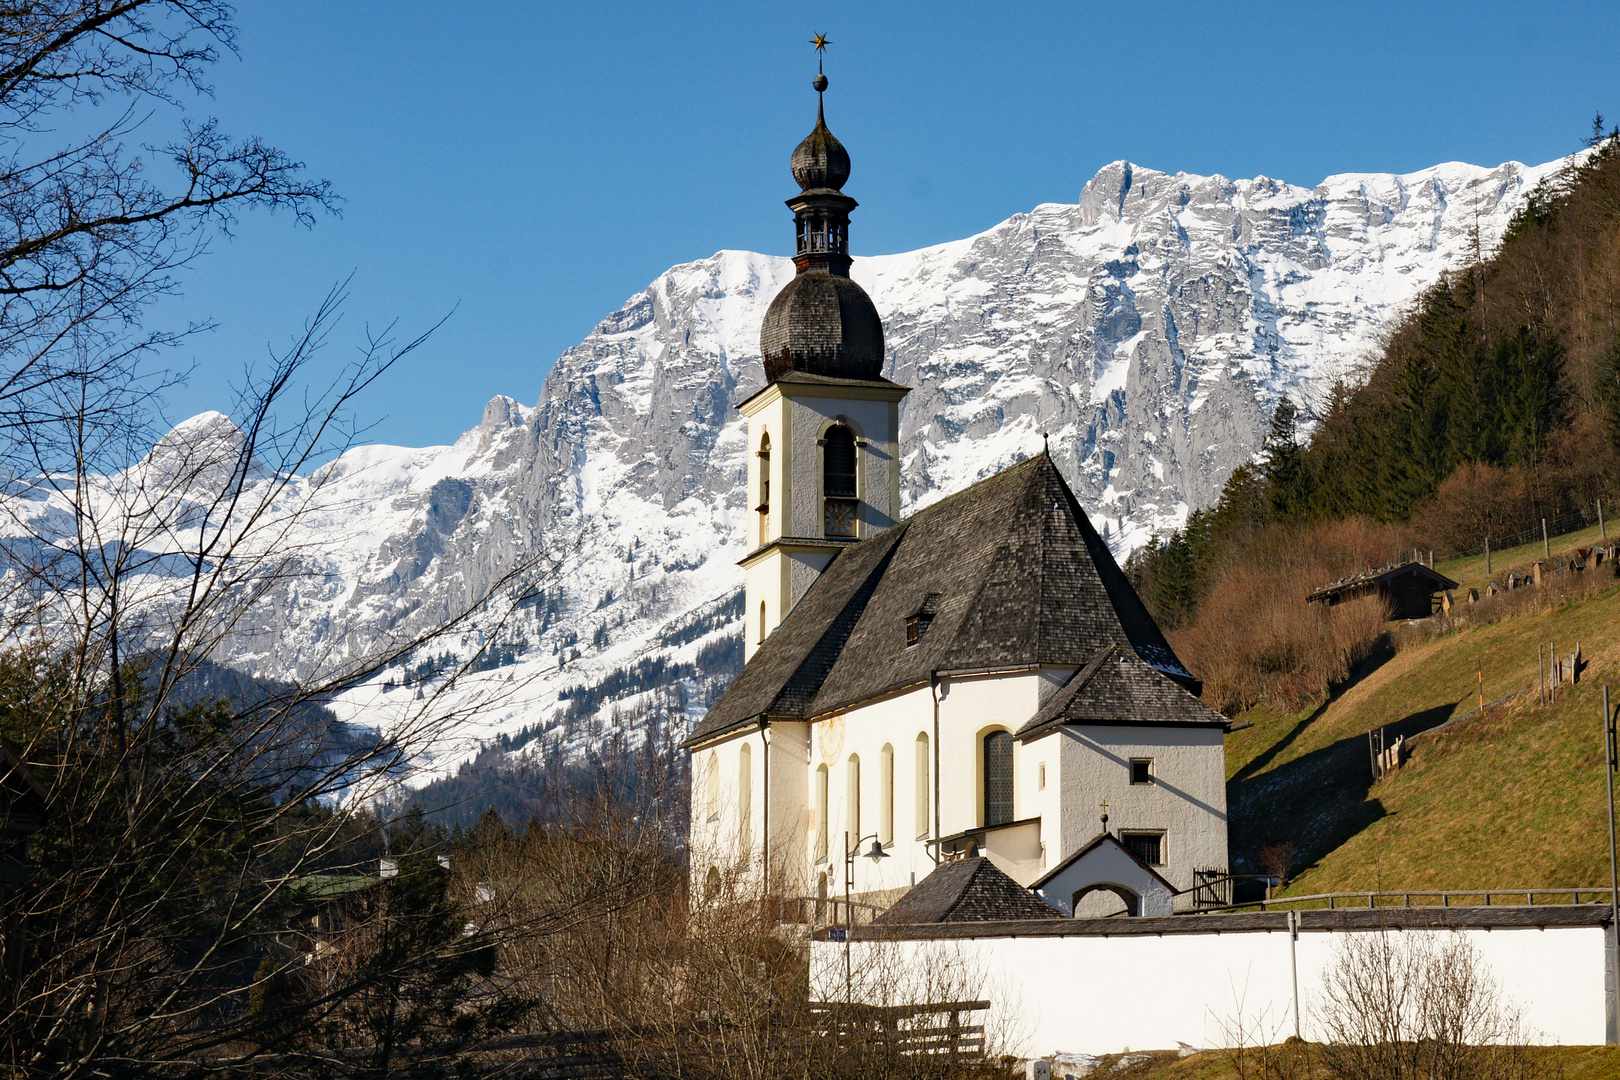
(1408, 589)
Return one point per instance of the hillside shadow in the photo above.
(1316, 802)
(1383, 651)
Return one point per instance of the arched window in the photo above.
(711, 884)
(764, 507)
(745, 791)
(711, 787)
(924, 767)
(821, 813)
(998, 778)
(886, 794)
(761, 622)
(852, 799)
(838, 481)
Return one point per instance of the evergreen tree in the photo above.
(1285, 470)
(1534, 402)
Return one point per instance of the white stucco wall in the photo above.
(877, 463)
(794, 420)
(1106, 863)
(1081, 768)
(716, 841)
(716, 836)
(969, 707)
(1186, 800)
(1100, 994)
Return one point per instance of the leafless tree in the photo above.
(109, 185)
(191, 830)
(1413, 1005)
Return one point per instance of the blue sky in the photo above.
(533, 165)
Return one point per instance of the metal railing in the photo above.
(1407, 898)
(819, 912)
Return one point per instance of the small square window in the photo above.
(1146, 846)
(1141, 770)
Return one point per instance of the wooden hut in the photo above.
(1408, 589)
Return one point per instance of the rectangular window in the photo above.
(1040, 774)
(1146, 846)
(1142, 770)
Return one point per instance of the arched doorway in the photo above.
(1105, 899)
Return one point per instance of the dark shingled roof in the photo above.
(820, 161)
(822, 323)
(968, 890)
(1369, 579)
(1117, 688)
(1019, 578)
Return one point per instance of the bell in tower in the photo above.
(824, 433)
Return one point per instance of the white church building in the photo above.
(979, 678)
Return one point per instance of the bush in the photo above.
(1287, 651)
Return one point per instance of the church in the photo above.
(976, 681)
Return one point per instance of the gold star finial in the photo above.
(820, 42)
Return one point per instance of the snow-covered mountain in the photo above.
(1148, 329)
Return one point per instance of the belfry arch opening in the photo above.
(838, 481)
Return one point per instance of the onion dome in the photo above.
(820, 161)
(822, 323)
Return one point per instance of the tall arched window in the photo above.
(885, 827)
(821, 813)
(924, 767)
(764, 507)
(711, 787)
(762, 622)
(998, 778)
(745, 792)
(838, 481)
(852, 799)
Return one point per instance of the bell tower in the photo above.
(824, 433)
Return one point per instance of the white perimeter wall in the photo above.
(1102, 994)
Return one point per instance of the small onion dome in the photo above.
(822, 324)
(821, 160)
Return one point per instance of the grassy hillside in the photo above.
(1513, 797)
(1470, 572)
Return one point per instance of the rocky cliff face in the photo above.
(1147, 329)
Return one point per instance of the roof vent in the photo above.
(918, 621)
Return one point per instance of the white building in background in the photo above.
(979, 678)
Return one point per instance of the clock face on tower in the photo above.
(840, 517)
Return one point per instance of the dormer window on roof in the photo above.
(918, 621)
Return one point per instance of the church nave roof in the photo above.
(1011, 574)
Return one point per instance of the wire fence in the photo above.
(1568, 522)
